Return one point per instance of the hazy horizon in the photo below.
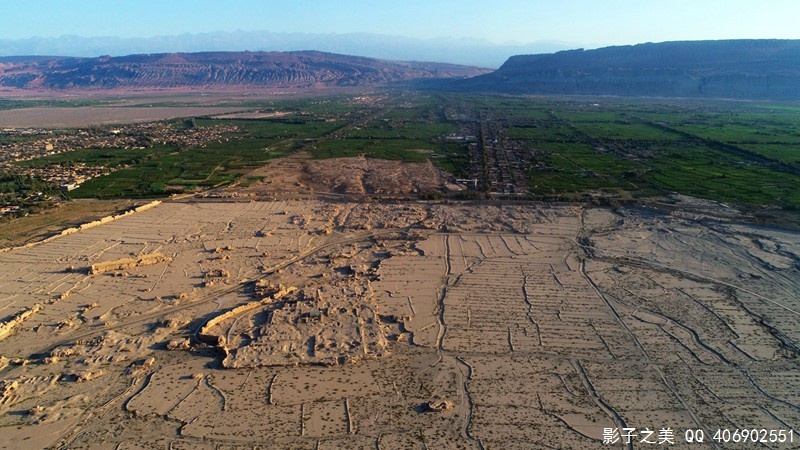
(474, 52)
(463, 32)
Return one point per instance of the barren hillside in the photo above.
(216, 70)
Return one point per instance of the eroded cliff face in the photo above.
(217, 69)
(746, 69)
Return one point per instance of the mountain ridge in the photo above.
(737, 69)
(466, 51)
(212, 70)
(766, 69)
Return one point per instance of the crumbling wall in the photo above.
(7, 327)
(88, 225)
(207, 336)
(127, 263)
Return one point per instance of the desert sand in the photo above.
(353, 178)
(310, 324)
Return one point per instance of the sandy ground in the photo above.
(300, 174)
(83, 116)
(325, 325)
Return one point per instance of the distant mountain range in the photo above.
(473, 52)
(215, 71)
(737, 69)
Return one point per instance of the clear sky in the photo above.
(586, 22)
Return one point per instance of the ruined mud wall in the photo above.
(127, 263)
(106, 219)
(88, 225)
(7, 327)
(207, 336)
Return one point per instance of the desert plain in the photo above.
(253, 321)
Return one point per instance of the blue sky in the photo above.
(584, 22)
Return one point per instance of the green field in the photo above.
(735, 152)
(161, 170)
(396, 149)
(8, 103)
(104, 157)
(181, 170)
(283, 128)
(739, 152)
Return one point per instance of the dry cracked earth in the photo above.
(403, 325)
